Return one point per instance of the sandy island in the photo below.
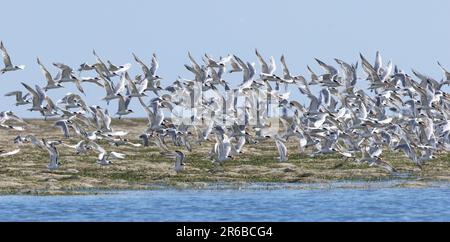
(145, 168)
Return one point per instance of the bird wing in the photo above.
(13, 93)
(143, 86)
(50, 103)
(160, 144)
(150, 114)
(264, 66)
(194, 63)
(121, 106)
(272, 66)
(282, 150)
(314, 77)
(447, 74)
(369, 69)
(36, 96)
(117, 155)
(63, 125)
(10, 153)
(78, 85)
(286, 73)
(378, 62)
(6, 58)
(145, 68)
(18, 95)
(40, 92)
(131, 84)
(155, 65)
(46, 73)
(97, 147)
(329, 69)
(170, 154)
(251, 70)
(101, 64)
(234, 65)
(66, 70)
(121, 85)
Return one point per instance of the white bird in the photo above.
(63, 124)
(54, 154)
(281, 147)
(9, 153)
(240, 144)
(101, 68)
(80, 148)
(234, 65)
(118, 69)
(51, 83)
(103, 158)
(38, 97)
(20, 99)
(287, 77)
(95, 80)
(136, 91)
(112, 92)
(6, 116)
(149, 73)
(66, 75)
(409, 151)
(265, 68)
(34, 141)
(123, 106)
(179, 158)
(222, 149)
(7, 61)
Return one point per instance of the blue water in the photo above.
(252, 203)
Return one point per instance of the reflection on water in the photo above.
(374, 201)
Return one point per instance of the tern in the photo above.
(123, 107)
(149, 73)
(7, 61)
(179, 158)
(51, 83)
(20, 99)
(9, 116)
(54, 154)
(9, 153)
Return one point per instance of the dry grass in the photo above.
(143, 167)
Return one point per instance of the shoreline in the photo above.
(394, 183)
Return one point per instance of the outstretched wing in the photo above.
(6, 58)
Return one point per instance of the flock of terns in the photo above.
(394, 111)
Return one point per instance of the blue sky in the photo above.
(413, 34)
